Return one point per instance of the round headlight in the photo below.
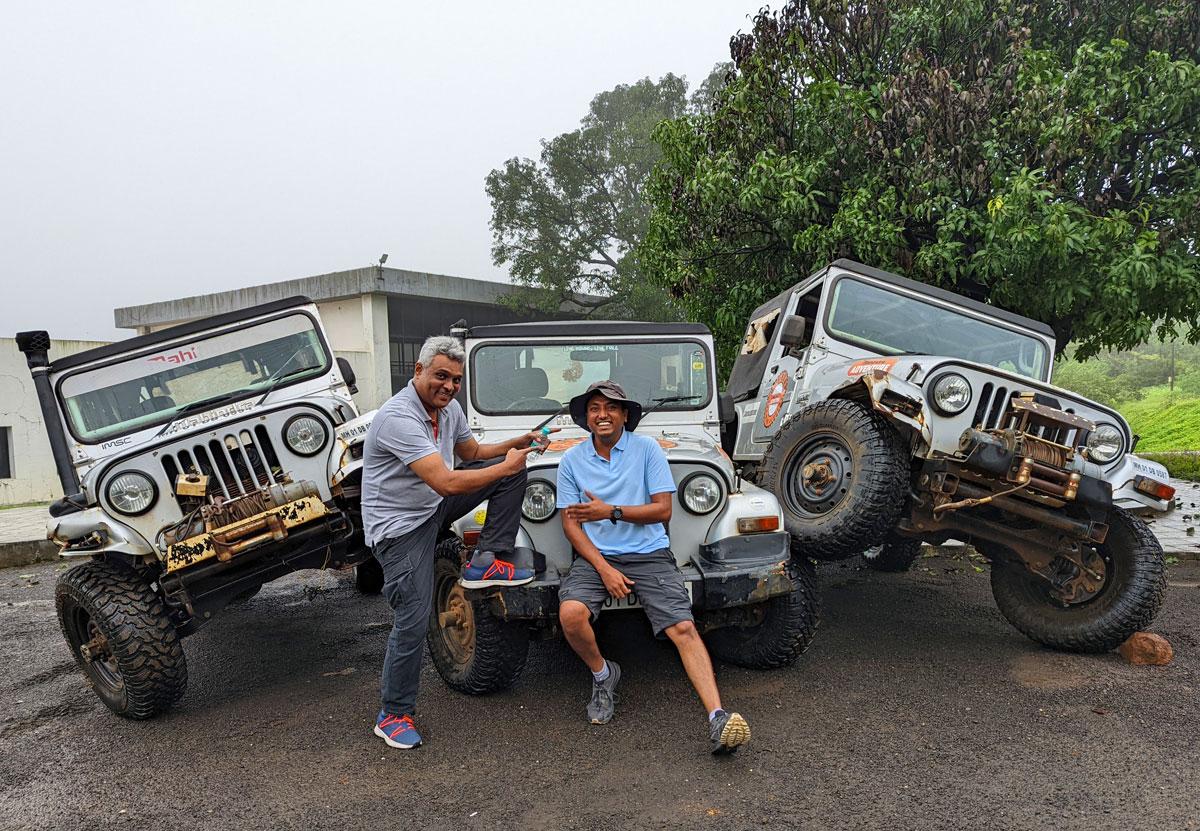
(1105, 443)
(951, 393)
(701, 493)
(132, 493)
(305, 435)
(538, 504)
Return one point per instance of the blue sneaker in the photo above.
(397, 731)
(496, 573)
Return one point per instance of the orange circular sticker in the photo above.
(775, 399)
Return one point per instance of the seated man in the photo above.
(621, 539)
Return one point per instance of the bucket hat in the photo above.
(613, 392)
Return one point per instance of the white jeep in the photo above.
(756, 606)
(884, 412)
(197, 462)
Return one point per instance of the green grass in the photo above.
(1166, 421)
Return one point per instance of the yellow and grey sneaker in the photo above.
(728, 732)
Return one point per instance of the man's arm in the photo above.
(658, 509)
(472, 451)
(446, 482)
(617, 584)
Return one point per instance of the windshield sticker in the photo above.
(207, 418)
(564, 444)
(183, 356)
(871, 365)
(775, 399)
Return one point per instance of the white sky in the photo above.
(154, 150)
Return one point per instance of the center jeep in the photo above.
(197, 463)
(884, 412)
(756, 605)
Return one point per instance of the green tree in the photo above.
(567, 224)
(1039, 155)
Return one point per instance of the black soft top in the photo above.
(134, 344)
(584, 328)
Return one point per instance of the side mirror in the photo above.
(347, 373)
(792, 331)
(726, 412)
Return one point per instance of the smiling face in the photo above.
(605, 418)
(438, 383)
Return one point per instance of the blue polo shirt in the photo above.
(638, 469)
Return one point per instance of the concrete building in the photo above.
(26, 467)
(376, 318)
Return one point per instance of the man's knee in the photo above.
(683, 632)
(574, 615)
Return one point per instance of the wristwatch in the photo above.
(616, 515)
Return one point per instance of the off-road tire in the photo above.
(486, 656)
(896, 554)
(1128, 601)
(870, 491)
(786, 628)
(368, 576)
(144, 672)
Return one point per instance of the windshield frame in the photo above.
(534, 343)
(197, 337)
(918, 297)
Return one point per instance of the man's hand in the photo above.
(536, 439)
(618, 584)
(593, 511)
(514, 460)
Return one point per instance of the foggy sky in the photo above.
(155, 150)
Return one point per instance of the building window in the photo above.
(403, 354)
(6, 453)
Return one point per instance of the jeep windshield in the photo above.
(890, 323)
(155, 387)
(542, 377)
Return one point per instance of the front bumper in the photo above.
(753, 569)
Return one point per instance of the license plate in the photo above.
(631, 601)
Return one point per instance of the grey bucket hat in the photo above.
(613, 392)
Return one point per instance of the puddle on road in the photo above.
(1046, 672)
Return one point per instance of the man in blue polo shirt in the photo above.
(615, 495)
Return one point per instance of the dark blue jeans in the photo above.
(407, 563)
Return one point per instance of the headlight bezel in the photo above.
(553, 499)
(691, 479)
(943, 378)
(116, 506)
(1120, 444)
(287, 427)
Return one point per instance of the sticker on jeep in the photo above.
(870, 365)
(206, 418)
(775, 398)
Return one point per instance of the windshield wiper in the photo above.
(205, 403)
(670, 399)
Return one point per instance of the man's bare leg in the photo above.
(696, 663)
(576, 620)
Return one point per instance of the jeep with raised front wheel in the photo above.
(755, 605)
(197, 463)
(884, 412)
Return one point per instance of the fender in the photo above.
(900, 401)
(346, 458)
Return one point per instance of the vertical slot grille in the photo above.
(236, 463)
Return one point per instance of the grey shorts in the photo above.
(658, 583)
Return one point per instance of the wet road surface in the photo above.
(917, 707)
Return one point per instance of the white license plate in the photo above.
(631, 601)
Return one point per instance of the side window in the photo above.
(806, 308)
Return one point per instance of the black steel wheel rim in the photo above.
(103, 666)
(817, 476)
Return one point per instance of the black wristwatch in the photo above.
(616, 515)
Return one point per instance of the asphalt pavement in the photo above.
(917, 707)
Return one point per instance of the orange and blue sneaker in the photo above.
(497, 572)
(397, 731)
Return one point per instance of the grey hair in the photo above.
(441, 345)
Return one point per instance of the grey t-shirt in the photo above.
(394, 499)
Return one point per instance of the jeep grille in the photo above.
(237, 463)
(993, 408)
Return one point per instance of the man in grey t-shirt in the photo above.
(410, 490)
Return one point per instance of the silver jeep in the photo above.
(197, 463)
(756, 606)
(884, 412)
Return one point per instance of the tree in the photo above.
(1039, 155)
(567, 224)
